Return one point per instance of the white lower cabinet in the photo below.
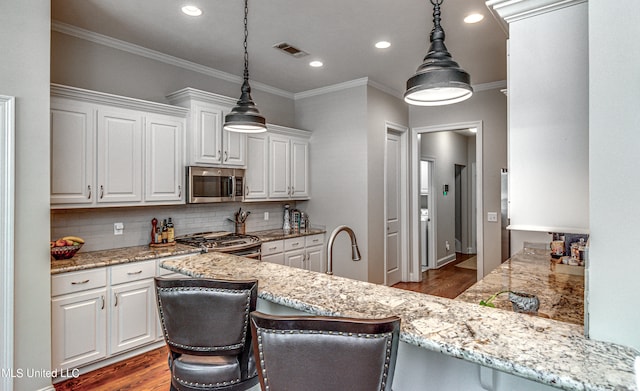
(304, 252)
(100, 313)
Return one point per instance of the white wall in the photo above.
(80, 63)
(614, 141)
(338, 167)
(491, 108)
(24, 73)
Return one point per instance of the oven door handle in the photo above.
(232, 185)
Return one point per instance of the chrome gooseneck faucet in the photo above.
(355, 253)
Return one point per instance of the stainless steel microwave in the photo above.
(210, 184)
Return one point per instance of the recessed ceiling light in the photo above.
(192, 10)
(316, 64)
(473, 18)
(383, 44)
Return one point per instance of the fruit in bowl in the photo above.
(67, 247)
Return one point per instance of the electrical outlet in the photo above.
(492, 216)
(266, 216)
(446, 245)
(118, 228)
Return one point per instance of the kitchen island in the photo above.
(497, 350)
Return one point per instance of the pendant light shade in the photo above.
(245, 117)
(439, 80)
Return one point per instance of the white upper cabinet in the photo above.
(288, 163)
(256, 175)
(279, 167)
(108, 150)
(208, 144)
(299, 168)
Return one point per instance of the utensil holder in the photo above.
(240, 229)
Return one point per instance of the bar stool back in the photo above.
(315, 353)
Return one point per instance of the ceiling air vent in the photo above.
(293, 51)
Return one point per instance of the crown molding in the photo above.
(332, 88)
(62, 91)
(162, 57)
(512, 10)
(184, 96)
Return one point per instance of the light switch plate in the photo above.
(492, 216)
(118, 228)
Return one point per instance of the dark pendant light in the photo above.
(245, 117)
(439, 80)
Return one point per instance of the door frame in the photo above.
(7, 181)
(433, 237)
(404, 264)
(414, 163)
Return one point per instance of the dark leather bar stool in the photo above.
(206, 328)
(313, 353)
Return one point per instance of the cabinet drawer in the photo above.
(314, 240)
(78, 281)
(274, 247)
(294, 244)
(133, 272)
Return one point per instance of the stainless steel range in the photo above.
(226, 242)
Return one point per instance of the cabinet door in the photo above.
(256, 175)
(133, 315)
(299, 168)
(295, 259)
(274, 258)
(72, 152)
(78, 329)
(279, 167)
(235, 145)
(207, 134)
(315, 258)
(119, 156)
(164, 172)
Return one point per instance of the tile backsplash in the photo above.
(96, 225)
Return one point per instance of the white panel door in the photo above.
(207, 143)
(315, 257)
(274, 258)
(133, 315)
(299, 168)
(392, 179)
(235, 145)
(78, 329)
(164, 165)
(279, 167)
(72, 152)
(119, 156)
(256, 175)
(295, 259)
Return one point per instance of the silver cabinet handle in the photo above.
(89, 188)
(115, 304)
(288, 190)
(79, 282)
(246, 190)
(273, 248)
(294, 244)
(220, 154)
(134, 273)
(292, 190)
(101, 191)
(102, 297)
(226, 156)
(179, 191)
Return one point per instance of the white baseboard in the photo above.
(47, 388)
(444, 260)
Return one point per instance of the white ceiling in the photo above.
(341, 33)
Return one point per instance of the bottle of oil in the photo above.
(165, 231)
(170, 232)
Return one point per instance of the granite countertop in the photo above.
(102, 258)
(536, 348)
(271, 235)
(561, 295)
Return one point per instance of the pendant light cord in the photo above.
(437, 32)
(246, 35)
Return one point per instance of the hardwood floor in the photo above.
(448, 281)
(149, 371)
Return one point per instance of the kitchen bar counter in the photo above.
(102, 258)
(561, 295)
(542, 350)
(271, 235)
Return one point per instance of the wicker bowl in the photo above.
(65, 252)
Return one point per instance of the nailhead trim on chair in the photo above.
(214, 348)
(387, 336)
(203, 386)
